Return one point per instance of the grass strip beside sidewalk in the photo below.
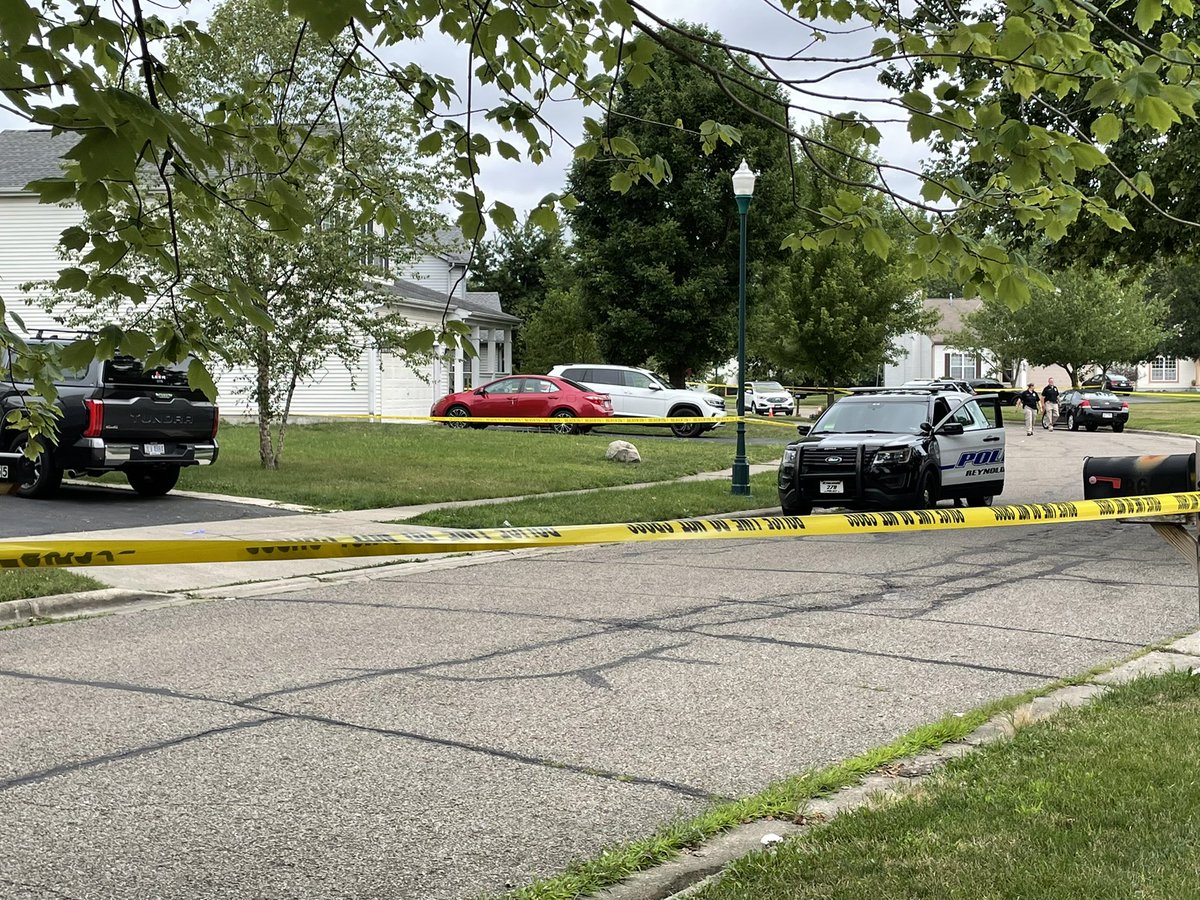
(673, 500)
(782, 800)
(1096, 802)
(25, 584)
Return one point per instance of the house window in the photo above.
(1164, 368)
(962, 365)
(375, 254)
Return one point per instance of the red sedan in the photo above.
(527, 397)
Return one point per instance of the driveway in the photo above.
(445, 732)
(97, 507)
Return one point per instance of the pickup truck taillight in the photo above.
(95, 414)
(216, 421)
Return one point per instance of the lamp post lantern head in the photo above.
(743, 181)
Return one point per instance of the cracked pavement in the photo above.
(447, 732)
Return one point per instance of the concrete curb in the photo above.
(694, 869)
(56, 606)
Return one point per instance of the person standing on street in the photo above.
(1050, 402)
(1028, 400)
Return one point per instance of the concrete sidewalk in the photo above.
(213, 579)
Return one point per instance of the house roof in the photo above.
(29, 154)
(483, 303)
(952, 310)
(450, 245)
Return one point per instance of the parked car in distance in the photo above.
(526, 397)
(1116, 382)
(945, 384)
(988, 385)
(769, 398)
(1092, 408)
(639, 393)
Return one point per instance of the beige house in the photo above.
(381, 384)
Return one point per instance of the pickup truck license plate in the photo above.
(831, 487)
(154, 449)
(1107, 415)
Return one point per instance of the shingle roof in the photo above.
(951, 310)
(27, 155)
(411, 291)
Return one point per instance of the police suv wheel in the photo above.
(44, 477)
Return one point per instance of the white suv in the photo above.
(769, 398)
(642, 394)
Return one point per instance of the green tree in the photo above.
(560, 332)
(995, 330)
(658, 265)
(839, 309)
(315, 296)
(524, 266)
(108, 61)
(1091, 318)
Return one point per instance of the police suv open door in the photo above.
(971, 444)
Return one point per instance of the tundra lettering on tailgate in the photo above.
(160, 418)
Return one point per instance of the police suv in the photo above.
(903, 448)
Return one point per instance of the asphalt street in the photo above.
(447, 732)
(88, 507)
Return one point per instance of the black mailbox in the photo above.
(1133, 476)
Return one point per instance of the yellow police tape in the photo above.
(416, 541)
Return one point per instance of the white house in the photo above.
(930, 356)
(380, 385)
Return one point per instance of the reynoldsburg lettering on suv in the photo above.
(904, 448)
(642, 394)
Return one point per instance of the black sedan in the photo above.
(1092, 408)
(1109, 382)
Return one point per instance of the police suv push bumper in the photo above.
(14, 468)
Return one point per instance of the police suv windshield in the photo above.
(864, 417)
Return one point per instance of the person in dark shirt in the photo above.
(1050, 404)
(1028, 400)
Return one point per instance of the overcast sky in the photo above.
(757, 24)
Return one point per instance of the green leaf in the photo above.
(72, 279)
(53, 190)
(544, 217)
(848, 202)
(620, 182)
(506, 22)
(78, 354)
(1087, 156)
(503, 215)
(430, 144)
(507, 150)
(876, 241)
(917, 101)
(1106, 129)
(1147, 13)
(200, 378)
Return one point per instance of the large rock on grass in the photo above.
(623, 451)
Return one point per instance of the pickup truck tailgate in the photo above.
(163, 415)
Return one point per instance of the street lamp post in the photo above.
(743, 190)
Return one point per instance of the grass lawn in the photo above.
(1098, 802)
(1179, 416)
(23, 584)
(365, 466)
(662, 501)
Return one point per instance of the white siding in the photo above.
(29, 233)
(387, 386)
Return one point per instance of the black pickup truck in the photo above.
(117, 416)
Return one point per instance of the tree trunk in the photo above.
(266, 450)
